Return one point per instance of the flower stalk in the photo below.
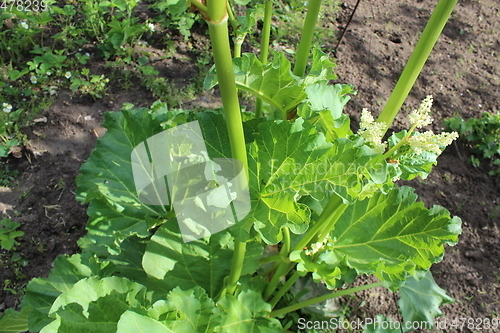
(417, 61)
(304, 48)
(264, 46)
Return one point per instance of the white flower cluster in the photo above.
(421, 117)
(430, 142)
(372, 131)
(316, 247)
(6, 107)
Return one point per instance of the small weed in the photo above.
(8, 234)
(61, 184)
(7, 176)
(483, 134)
(25, 193)
(94, 85)
(39, 245)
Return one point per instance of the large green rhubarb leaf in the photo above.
(288, 161)
(41, 293)
(106, 181)
(392, 235)
(13, 321)
(203, 262)
(96, 305)
(274, 82)
(247, 312)
(420, 300)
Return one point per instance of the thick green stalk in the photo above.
(333, 204)
(417, 60)
(264, 46)
(266, 32)
(288, 284)
(238, 39)
(219, 38)
(334, 217)
(224, 67)
(199, 5)
(328, 213)
(216, 11)
(330, 219)
(282, 270)
(302, 55)
(323, 298)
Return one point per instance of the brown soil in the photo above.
(462, 75)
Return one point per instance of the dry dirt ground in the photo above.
(462, 75)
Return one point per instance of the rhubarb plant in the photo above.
(322, 202)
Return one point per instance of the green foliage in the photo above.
(172, 15)
(7, 176)
(112, 24)
(318, 190)
(8, 234)
(483, 136)
(290, 15)
(94, 85)
(145, 272)
(13, 321)
(420, 300)
(274, 83)
(388, 235)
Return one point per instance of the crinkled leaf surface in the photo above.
(88, 290)
(274, 82)
(323, 108)
(390, 235)
(96, 305)
(324, 267)
(290, 160)
(247, 312)
(194, 311)
(322, 96)
(420, 299)
(106, 180)
(183, 311)
(41, 293)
